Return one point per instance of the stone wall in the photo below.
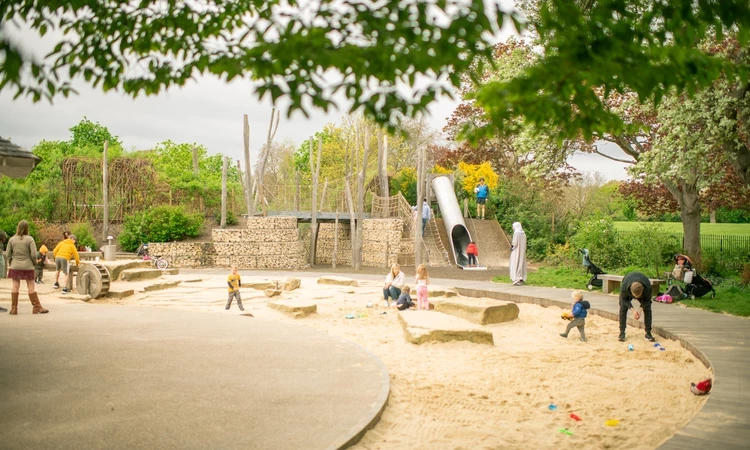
(381, 242)
(266, 243)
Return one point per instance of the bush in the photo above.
(647, 246)
(231, 218)
(50, 234)
(9, 224)
(84, 234)
(603, 242)
(159, 224)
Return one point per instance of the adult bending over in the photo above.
(635, 286)
(394, 282)
(518, 255)
(21, 255)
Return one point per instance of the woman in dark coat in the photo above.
(21, 255)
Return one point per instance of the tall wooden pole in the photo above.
(335, 239)
(248, 169)
(223, 223)
(357, 245)
(105, 194)
(418, 220)
(314, 201)
(296, 191)
(195, 161)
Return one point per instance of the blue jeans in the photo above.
(393, 291)
(424, 224)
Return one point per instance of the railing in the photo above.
(730, 248)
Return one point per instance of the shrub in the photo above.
(603, 242)
(745, 275)
(231, 218)
(50, 234)
(9, 224)
(647, 246)
(84, 235)
(159, 224)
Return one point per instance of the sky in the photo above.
(207, 111)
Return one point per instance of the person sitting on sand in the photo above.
(394, 282)
(579, 312)
(404, 300)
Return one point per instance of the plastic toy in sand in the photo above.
(565, 431)
(575, 417)
(702, 388)
(612, 423)
(567, 315)
(552, 407)
(630, 347)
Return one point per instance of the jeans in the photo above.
(646, 306)
(472, 259)
(424, 224)
(393, 291)
(578, 323)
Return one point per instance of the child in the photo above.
(404, 300)
(39, 266)
(234, 283)
(423, 279)
(579, 314)
(472, 251)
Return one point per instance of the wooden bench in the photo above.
(613, 282)
(90, 256)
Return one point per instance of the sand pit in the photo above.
(459, 395)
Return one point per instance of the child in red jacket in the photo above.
(472, 251)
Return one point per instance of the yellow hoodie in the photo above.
(67, 249)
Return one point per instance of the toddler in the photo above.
(472, 253)
(579, 311)
(423, 279)
(404, 300)
(234, 283)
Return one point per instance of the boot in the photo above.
(38, 309)
(14, 303)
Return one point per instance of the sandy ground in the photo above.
(460, 395)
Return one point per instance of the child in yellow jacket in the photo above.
(63, 252)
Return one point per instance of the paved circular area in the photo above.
(107, 376)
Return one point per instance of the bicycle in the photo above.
(160, 262)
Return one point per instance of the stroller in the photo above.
(592, 269)
(695, 285)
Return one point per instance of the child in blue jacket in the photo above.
(579, 311)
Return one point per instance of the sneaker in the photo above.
(386, 304)
(2, 309)
(649, 337)
(621, 338)
(56, 285)
(583, 339)
(65, 291)
(564, 335)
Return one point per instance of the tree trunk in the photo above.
(690, 212)
(248, 169)
(224, 169)
(105, 194)
(418, 219)
(357, 244)
(712, 214)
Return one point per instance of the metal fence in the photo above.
(734, 250)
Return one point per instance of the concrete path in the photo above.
(127, 377)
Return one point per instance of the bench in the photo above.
(613, 282)
(90, 256)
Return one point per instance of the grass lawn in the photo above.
(739, 229)
(730, 299)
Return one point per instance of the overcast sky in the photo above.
(207, 112)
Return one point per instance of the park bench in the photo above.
(613, 282)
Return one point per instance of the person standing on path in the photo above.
(518, 255)
(635, 286)
(482, 191)
(21, 255)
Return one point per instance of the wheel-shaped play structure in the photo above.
(93, 279)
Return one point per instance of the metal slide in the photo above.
(453, 220)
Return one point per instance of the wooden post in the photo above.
(323, 195)
(361, 201)
(296, 191)
(248, 170)
(105, 194)
(418, 221)
(335, 239)
(223, 223)
(314, 171)
(352, 223)
(466, 208)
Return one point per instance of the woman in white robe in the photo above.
(518, 255)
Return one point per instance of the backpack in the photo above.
(675, 292)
